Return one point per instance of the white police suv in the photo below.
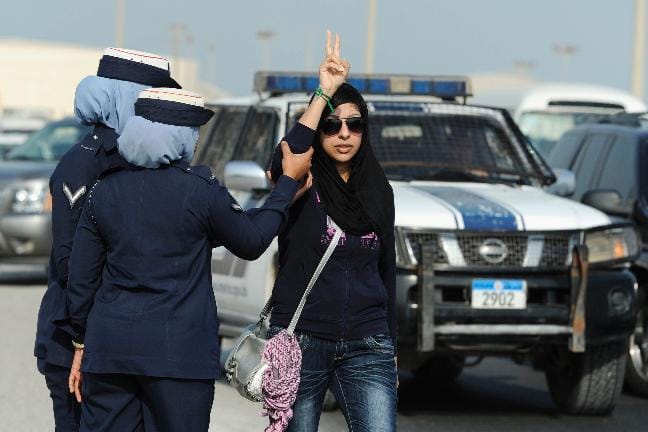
(489, 263)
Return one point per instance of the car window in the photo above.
(563, 153)
(410, 145)
(259, 138)
(545, 128)
(205, 134)
(425, 141)
(218, 146)
(620, 168)
(588, 161)
(50, 143)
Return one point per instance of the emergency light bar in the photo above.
(301, 82)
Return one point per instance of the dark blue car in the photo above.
(609, 161)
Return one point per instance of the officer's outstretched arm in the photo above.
(247, 234)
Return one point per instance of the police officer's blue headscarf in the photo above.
(107, 101)
(149, 144)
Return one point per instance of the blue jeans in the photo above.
(361, 373)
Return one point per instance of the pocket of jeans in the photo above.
(272, 331)
(380, 343)
(304, 340)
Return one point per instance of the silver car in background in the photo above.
(25, 202)
(16, 125)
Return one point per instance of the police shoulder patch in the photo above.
(73, 195)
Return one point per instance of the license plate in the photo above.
(499, 294)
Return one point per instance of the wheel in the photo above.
(441, 370)
(589, 383)
(637, 360)
(330, 404)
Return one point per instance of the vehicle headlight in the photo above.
(616, 244)
(31, 197)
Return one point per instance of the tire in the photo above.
(588, 383)
(441, 370)
(636, 376)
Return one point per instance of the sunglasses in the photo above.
(332, 125)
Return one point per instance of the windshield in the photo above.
(424, 146)
(544, 129)
(446, 142)
(49, 143)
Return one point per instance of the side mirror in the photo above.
(565, 184)
(245, 176)
(608, 201)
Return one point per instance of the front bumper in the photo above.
(442, 320)
(25, 242)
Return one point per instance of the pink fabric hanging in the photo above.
(281, 380)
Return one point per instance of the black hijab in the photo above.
(366, 202)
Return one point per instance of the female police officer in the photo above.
(104, 101)
(144, 317)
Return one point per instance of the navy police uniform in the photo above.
(77, 171)
(70, 183)
(148, 308)
(140, 293)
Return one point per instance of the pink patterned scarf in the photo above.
(281, 380)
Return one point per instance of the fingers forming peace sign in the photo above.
(333, 70)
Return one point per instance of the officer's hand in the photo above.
(306, 184)
(270, 181)
(74, 382)
(295, 166)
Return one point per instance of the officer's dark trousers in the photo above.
(118, 402)
(67, 411)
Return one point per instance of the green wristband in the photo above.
(320, 93)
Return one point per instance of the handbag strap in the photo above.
(313, 279)
(300, 307)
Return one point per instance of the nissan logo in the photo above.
(493, 250)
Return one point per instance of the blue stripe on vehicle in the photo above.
(478, 213)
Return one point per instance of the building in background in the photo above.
(43, 75)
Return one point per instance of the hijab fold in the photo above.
(107, 101)
(149, 144)
(366, 202)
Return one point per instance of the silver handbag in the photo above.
(244, 366)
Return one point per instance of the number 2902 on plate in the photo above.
(499, 294)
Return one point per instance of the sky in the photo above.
(412, 36)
